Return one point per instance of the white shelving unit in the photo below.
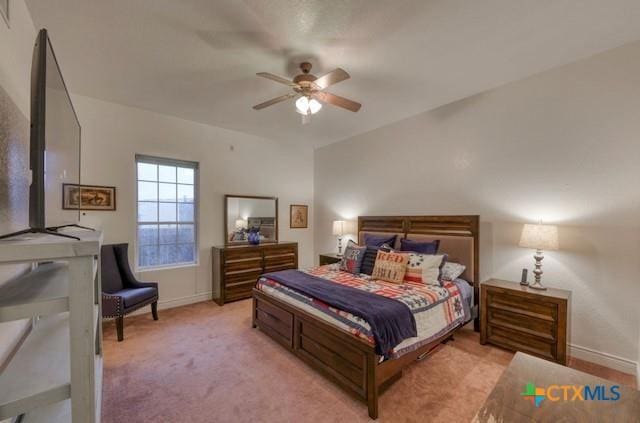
(56, 374)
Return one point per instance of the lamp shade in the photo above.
(338, 227)
(241, 224)
(540, 237)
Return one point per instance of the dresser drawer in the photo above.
(246, 276)
(239, 254)
(279, 262)
(278, 250)
(243, 265)
(239, 290)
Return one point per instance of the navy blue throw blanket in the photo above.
(391, 321)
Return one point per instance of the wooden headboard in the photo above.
(458, 235)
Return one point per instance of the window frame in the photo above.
(163, 161)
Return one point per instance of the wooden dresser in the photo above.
(237, 267)
(519, 318)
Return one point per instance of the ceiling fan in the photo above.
(310, 90)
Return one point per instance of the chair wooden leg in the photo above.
(120, 328)
(154, 310)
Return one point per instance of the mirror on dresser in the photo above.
(245, 214)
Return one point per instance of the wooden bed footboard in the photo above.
(348, 361)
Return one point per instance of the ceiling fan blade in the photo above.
(331, 78)
(336, 100)
(277, 78)
(273, 101)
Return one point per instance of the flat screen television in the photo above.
(55, 145)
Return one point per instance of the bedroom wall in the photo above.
(230, 163)
(16, 46)
(562, 146)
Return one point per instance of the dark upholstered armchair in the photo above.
(121, 292)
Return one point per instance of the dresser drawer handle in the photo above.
(245, 282)
(236, 272)
(283, 265)
(501, 323)
(280, 255)
(242, 260)
(522, 312)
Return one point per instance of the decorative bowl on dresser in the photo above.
(518, 318)
(329, 258)
(236, 268)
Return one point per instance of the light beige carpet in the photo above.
(204, 363)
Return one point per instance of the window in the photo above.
(167, 212)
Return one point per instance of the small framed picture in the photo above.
(299, 216)
(88, 197)
(4, 10)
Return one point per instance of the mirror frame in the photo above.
(252, 197)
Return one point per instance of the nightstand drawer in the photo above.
(541, 328)
(519, 341)
(515, 304)
(520, 318)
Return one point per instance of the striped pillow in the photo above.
(369, 261)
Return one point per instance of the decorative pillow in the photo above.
(390, 266)
(424, 268)
(352, 259)
(422, 247)
(452, 271)
(371, 240)
(369, 260)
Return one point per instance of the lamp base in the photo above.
(538, 256)
(538, 286)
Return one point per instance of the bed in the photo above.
(340, 345)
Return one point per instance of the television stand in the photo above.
(38, 231)
(71, 225)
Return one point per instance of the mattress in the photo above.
(437, 310)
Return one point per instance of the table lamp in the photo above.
(338, 230)
(539, 237)
(241, 224)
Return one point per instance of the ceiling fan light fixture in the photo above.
(306, 106)
(314, 106)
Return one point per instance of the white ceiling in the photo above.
(197, 59)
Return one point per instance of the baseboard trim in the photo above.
(176, 302)
(605, 359)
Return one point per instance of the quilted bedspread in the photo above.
(436, 309)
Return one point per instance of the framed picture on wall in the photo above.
(4, 10)
(88, 197)
(299, 216)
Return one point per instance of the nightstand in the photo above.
(519, 318)
(329, 258)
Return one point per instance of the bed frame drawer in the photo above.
(276, 322)
(322, 350)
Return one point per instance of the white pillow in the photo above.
(452, 271)
(424, 268)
